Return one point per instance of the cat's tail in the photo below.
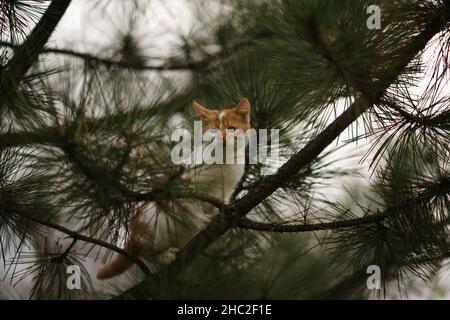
(138, 232)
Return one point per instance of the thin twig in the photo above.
(74, 240)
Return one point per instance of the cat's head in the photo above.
(235, 119)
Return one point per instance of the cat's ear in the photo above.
(243, 109)
(201, 110)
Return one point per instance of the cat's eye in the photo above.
(231, 128)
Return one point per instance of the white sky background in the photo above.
(87, 27)
(92, 29)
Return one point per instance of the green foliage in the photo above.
(83, 146)
(288, 269)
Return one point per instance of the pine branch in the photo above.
(245, 223)
(158, 194)
(27, 53)
(77, 236)
(51, 135)
(93, 59)
(44, 136)
(108, 181)
(264, 188)
(187, 66)
(442, 186)
(325, 49)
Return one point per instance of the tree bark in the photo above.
(27, 53)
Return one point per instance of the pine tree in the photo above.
(85, 144)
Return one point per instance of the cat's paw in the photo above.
(169, 256)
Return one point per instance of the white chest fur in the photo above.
(218, 180)
(175, 228)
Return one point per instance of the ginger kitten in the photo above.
(157, 235)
